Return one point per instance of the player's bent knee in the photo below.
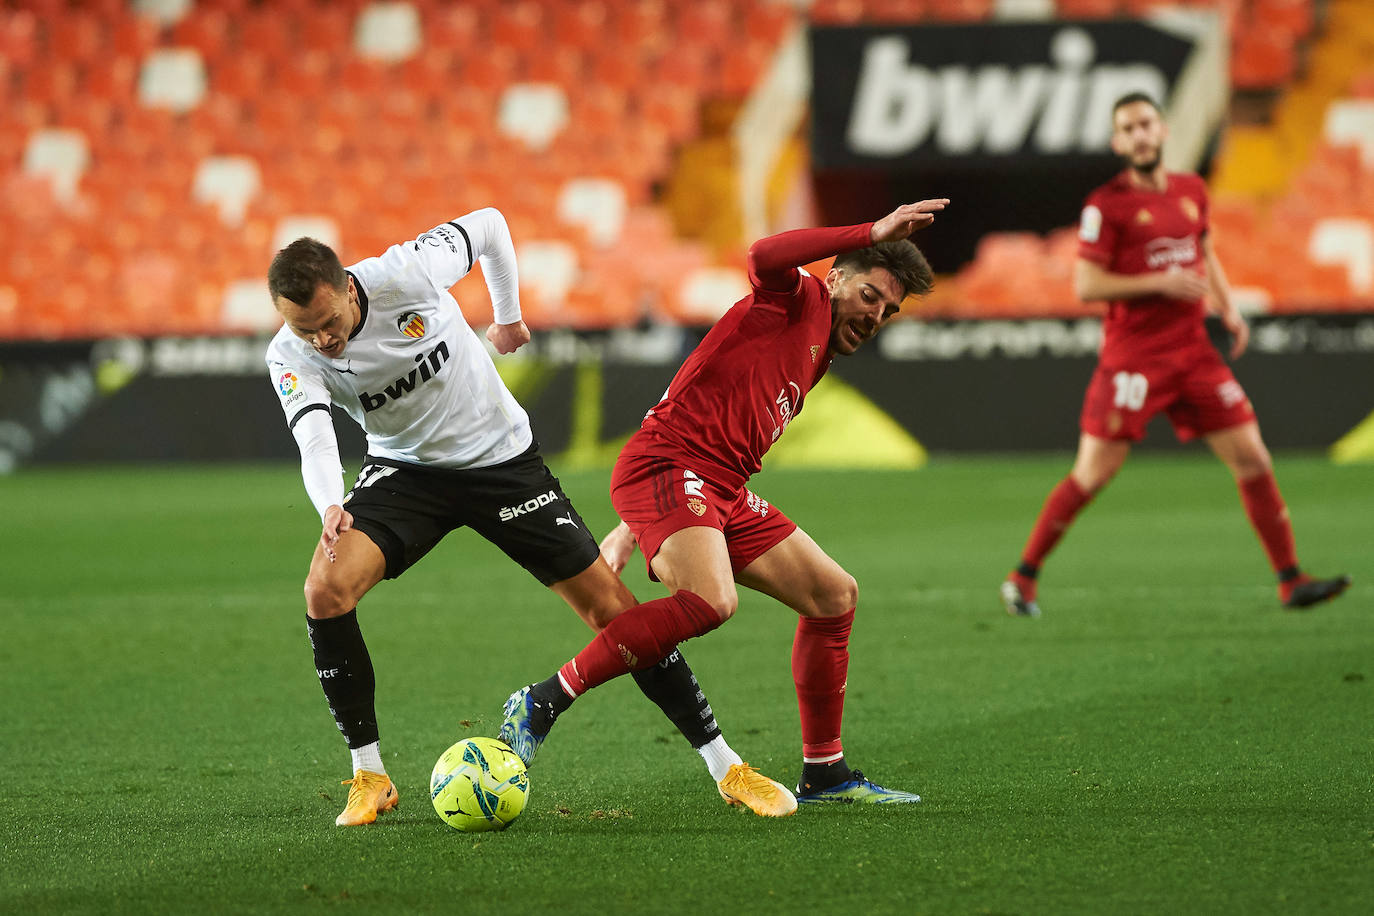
(839, 596)
(325, 599)
(723, 602)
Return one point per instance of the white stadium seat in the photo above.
(1346, 242)
(533, 113)
(163, 12)
(59, 154)
(1351, 121)
(548, 268)
(172, 78)
(228, 182)
(708, 292)
(388, 32)
(595, 204)
(320, 228)
(247, 306)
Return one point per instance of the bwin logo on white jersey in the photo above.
(529, 505)
(429, 365)
(1060, 106)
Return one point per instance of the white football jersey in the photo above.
(413, 375)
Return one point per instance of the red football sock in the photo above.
(1064, 502)
(638, 638)
(820, 668)
(1269, 516)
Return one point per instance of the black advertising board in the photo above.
(1010, 121)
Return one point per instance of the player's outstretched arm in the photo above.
(617, 547)
(906, 219)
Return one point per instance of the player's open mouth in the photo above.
(857, 336)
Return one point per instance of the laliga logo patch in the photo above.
(411, 325)
(287, 383)
(696, 504)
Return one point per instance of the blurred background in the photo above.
(155, 153)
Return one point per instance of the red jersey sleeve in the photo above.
(1097, 232)
(773, 261)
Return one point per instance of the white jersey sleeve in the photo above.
(449, 251)
(320, 466)
(305, 401)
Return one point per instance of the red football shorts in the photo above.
(1193, 386)
(659, 496)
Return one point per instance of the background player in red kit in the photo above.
(679, 488)
(1144, 246)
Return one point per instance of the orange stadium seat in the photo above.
(1264, 58)
(836, 12)
(1087, 9)
(959, 10)
(899, 11)
(1293, 17)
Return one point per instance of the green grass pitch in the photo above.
(1164, 739)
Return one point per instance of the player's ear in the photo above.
(832, 278)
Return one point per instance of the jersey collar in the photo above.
(362, 305)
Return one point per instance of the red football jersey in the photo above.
(747, 379)
(1126, 229)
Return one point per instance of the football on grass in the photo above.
(479, 784)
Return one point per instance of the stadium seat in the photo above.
(533, 113)
(289, 228)
(247, 306)
(1351, 121)
(1263, 58)
(59, 155)
(172, 78)
(706, 293)
(1017, 10)
(388, 31)
(229, 183)
(597, 205)
(548, 269)
(1346, 242)
(1088, 9)
(162, 12)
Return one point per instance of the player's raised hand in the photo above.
(507, 338)
(906, 219)
(617, 547)
(1178, 283)
(337, 520)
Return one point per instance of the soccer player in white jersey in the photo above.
(448, 446)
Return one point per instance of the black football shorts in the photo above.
(518, 505)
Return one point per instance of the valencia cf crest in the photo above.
(696, 504)
(411, 325)
(1143, 217)
(1190, 209)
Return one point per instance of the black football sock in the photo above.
(550, 701)
(817, 777)
(1027, 570)
(345, 672)
(672, 685)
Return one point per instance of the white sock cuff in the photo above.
(719, 757)
(368, 757)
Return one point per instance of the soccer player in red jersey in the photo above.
(679, 488)
(1144, 246)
